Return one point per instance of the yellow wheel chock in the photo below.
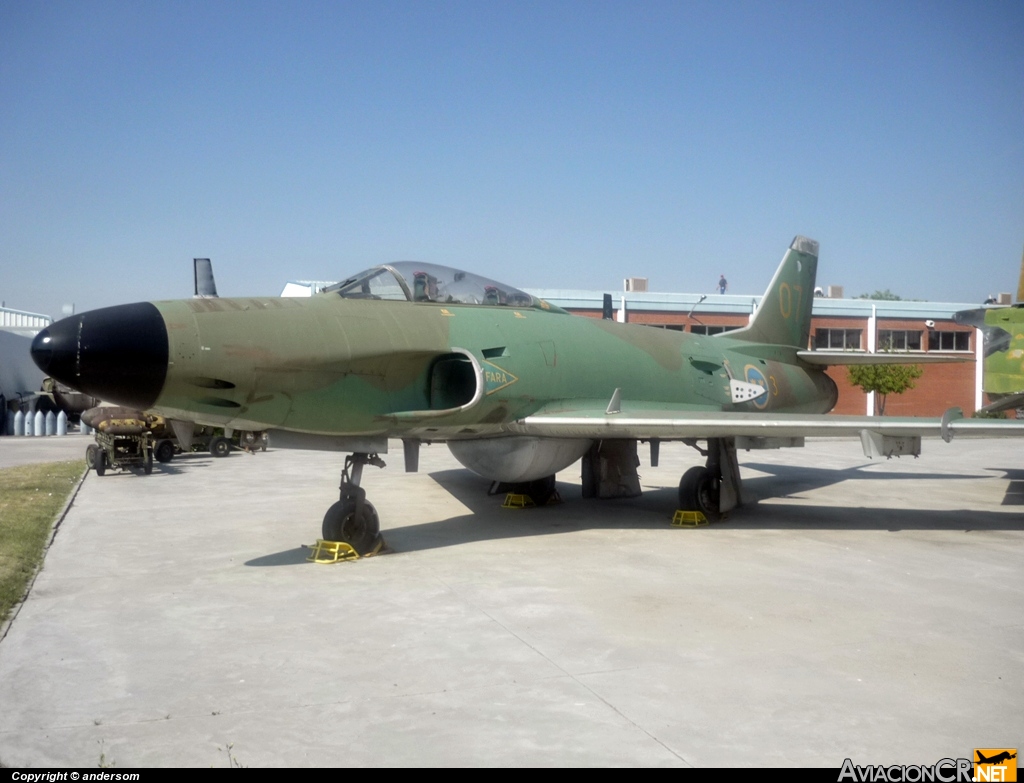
(513, 500)
(338, 551)
(331, 552)
(689, 519)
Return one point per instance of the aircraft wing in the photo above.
(845, 358)
(669, 423)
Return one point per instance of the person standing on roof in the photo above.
(723, 284)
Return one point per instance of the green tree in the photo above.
(884, 379)
(887, 295)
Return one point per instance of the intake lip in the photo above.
(118, 354)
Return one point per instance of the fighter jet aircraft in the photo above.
(516, 387)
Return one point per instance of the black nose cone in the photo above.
(118, 354)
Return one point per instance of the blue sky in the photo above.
(550, 144)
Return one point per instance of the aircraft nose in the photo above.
(118, 354)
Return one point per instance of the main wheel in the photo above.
(101, 461)
(699, 490)
(540, 490)
(91, 452)
(220, 447)
(359, 531)
(147, 462)
(164, 451)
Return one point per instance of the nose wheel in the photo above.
(353, 519)
(357, 527)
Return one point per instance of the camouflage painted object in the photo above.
(516, 387)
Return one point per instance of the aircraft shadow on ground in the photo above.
(178, 466)
(654, 509)
(1015, 491)
(135, 470)
(181, 464)
(790, 480)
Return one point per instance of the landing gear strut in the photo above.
(715, 488)
(609, 470)
(353, 519)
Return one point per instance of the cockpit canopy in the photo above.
(413, 281)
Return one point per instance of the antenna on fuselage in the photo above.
(206, 287)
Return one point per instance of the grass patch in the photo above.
(31, 496)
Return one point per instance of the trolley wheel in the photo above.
(164, 451)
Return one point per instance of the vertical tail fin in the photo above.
(784, 315)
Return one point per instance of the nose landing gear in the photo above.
(353, 519)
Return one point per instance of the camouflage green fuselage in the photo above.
(372, 367)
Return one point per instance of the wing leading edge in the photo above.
(667, 423)
(849, 358)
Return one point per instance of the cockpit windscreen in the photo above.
(418, 282)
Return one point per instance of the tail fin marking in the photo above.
(784, 315)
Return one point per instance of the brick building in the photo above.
(837, 324)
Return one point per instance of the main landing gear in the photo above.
(699, 490)
(353, 519)
(609, 470)
(715, 488)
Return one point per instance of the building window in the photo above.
(701, 329)
(949, 341)
(899, 340)
(837, 339)
(670, 327)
